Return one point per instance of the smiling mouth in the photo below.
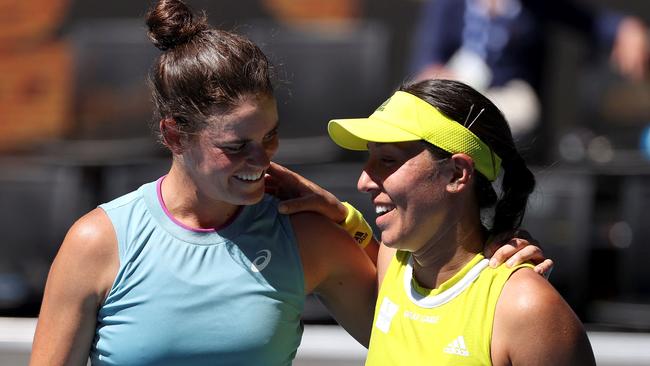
(383, 209)
(250, 178)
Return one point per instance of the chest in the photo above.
(231, 304)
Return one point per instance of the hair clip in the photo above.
(468, 114)
(475, 118)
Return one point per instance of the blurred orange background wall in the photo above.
(35, 73)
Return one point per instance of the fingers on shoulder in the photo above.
(517, 251)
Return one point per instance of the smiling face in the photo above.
(227, 159)
(407, 184)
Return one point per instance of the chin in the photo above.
(389, 241)
(399, 242)
(250, 199)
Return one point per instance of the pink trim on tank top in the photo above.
(195, 229)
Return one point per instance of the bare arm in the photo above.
(338, 271)
(79, 279)
(533, 325)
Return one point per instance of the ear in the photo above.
(171, 135)
(463, 170)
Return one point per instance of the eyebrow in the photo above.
(242, 141)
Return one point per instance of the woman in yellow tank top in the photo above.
(435, 147)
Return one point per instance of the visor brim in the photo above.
(355, 133)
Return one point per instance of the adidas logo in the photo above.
(457, 347)
(360, 236)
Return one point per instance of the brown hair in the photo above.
(202, 70)
(462, 103)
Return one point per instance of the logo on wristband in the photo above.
(360, 236)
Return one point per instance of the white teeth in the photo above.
(382, 209)
(250, 177)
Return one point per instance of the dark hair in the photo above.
(456, 100)
(202, 70)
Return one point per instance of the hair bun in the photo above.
(171, 23)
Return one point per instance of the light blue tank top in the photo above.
(233, 296)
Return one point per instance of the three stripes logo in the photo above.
(360, 236)
(457, 347)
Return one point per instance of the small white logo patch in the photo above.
(261, 261)
(457, 347)
(387, 312)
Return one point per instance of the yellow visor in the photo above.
(405, 117)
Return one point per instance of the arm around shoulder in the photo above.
(533, 325)
(80, 277)
(338, 271)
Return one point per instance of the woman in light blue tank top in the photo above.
(199, 268)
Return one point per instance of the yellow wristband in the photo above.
(357, 226)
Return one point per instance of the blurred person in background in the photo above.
(199, 267)
(499, 47)
(435, 147)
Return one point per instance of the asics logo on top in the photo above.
(261, 261)
(457, 347)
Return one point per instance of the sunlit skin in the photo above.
(409, 186)
(402, 178)
(214, 172)
(222, 167)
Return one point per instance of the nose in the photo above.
(366, 183)
(260, 156)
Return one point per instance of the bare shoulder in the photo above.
(89, 250)
(527, 291)
(92, 235)
(529, 308)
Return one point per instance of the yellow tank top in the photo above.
(450, 325)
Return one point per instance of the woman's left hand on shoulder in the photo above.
(299, 194)
(516, 247)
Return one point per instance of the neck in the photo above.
(443, 257)
(185, 201)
